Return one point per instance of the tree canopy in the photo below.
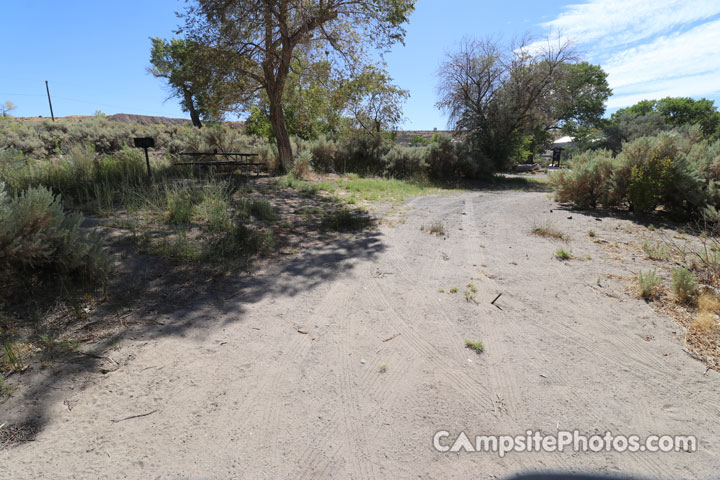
(259, 40)
(499, 96)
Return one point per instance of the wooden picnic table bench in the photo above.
(218, 163)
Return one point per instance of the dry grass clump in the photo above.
(548, 230)
(709, 303)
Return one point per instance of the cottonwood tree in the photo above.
(200, 90)
(262, 37)
(496, 96)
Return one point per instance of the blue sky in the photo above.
(94, 53)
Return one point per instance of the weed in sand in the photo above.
(655, 251)
(648, 284)
(454, 290)
(383, 368)
(441, 290)
(476, 346)
(684, 284)
(591, 233)
(562, 254)
(435, 228)
(548, 230)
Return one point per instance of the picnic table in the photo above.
(230, 159)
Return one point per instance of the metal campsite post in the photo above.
(145, 143)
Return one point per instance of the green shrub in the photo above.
(684, 284)
(405, 162)
(38, 238)
(324, 154)
(648, 284)
(649, 183)
(588, 182)
(302, 165)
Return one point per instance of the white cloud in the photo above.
(620, 22)
(650, 49)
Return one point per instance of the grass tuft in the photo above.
(476, 346)
(562, 254)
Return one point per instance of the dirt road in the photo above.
(280, 376)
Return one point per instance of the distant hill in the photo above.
(132, 118)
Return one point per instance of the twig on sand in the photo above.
(496, 299)
(392, 338)
(133, 416)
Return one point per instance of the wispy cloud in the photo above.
(650, 49)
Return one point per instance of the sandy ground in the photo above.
(229, 387)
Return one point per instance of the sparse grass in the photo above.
(384, 189)
(476, 346)
(261, 209)
(11, 357)
(655, 251)
(648, 285)
(383, 368)
(684, 284)
(591, 233)
(5, 389)
(441, 290)
(548, 230)
(513, 262)
(435, 228)
(346, 220)
(53, 345)
(709, 302)
(562, 254)
(705, 325)
(454, 290)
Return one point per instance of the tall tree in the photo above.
(261, 38)
(180, 62)
(497, 96)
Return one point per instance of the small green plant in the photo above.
(179, 205)
(454, 290)
(591, 233)
(262, 209)
(469, 296)
(562, 254)
(383, 368)
(648, 284)
(684, 284)
(476, 346)
(655, 251)
(441, 290)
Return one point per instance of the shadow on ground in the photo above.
(172, 302)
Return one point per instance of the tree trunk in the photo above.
(277, 120)
(195, 117)
(194, 114)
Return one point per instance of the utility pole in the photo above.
(49, 101)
